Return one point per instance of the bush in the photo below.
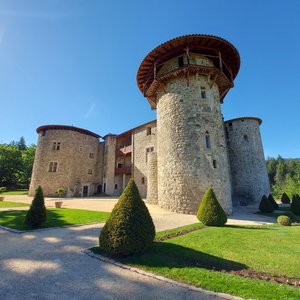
(285, 199)
(290, 215)
(60, 192)
(295, 205)
(2, 189)
(273, 202)
(210, 211)
(284, 221)
(266, 205)
(37, 213)
(129, 229)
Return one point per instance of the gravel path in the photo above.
(49, 264)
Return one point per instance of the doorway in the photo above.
(85, 191)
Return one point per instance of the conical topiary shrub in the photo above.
(295, 205)
(129, 229)
(37, 213)
(273, 202)
(265, 205)
(210, 211)
(285, 199)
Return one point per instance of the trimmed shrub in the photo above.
(290, 215)
(285, 199)
(284, 221)
(210, 211)
(37, 213)
(60, 192)
(2, 189)
(273, 202)
(129, 229)
(295, 205)
(266, 205)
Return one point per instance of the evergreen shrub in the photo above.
(129, 229)
(210, 211)
(295, 205)
(284, 221)
(273, 202)
(37, 213)
(266, 205)
(285, 199)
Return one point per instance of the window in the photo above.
(91, 155)
(148, 130)
(230, 126)
(120, 165)
(143, 180)
(180, 61)
(52, 167)
(203, 92)
(56, 146)
(245, 138)
(214, 164)
(43, 133)
(148, 150)
(90, 171)
(207, 140)
(116, 186)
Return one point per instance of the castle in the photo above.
(175, 158)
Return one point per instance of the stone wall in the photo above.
(109, 164)
(78, 160)
(248, 167)
(186, 167)
(142, 141)
(152, 196)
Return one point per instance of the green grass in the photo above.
(271, 249)
(4, 204)
(16, 192)
(56, 217)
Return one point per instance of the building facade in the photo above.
(175, 158)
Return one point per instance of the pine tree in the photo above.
(37, 213)
(21, 144)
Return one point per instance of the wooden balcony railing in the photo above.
(123, 170)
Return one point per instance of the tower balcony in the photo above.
(123, 170)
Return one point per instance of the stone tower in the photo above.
(186, 80)
(67, 157)
(248, 167)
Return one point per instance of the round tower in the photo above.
(248, 166)
(186, 80)
(66, 157)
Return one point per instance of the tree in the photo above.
(129, 229)
(10, 165)
(281, 172)
(295, 205)
(21, 144)
(271, 167)
(285, 199)
(273, 202)
(37, 213)
(210, 211)
(28, 159)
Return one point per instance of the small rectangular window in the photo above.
(57, 146)
(90, 171)
(207, 141)
(54, 146)
(143, 180)
(120, 165)
(214, 164)
(180, 61)
(148, 130)
(148, 150)
(43, 133)
(230, 126)
(203, 93)
(52, 167)
(91, 155)
(116, 186)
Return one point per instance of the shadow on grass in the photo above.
(255, 227)
(168, 255)
(55, 218)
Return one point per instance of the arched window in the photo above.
(245, 138)
(207, 140)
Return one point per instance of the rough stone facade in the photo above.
(67, 159)
(176, 158)
(191, 145)
(248, 167)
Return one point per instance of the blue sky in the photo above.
(75, 62)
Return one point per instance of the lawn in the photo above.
(16, 192)
(4, 204)
(55, 217)
(190, 258)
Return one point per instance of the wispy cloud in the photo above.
(89, 112)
